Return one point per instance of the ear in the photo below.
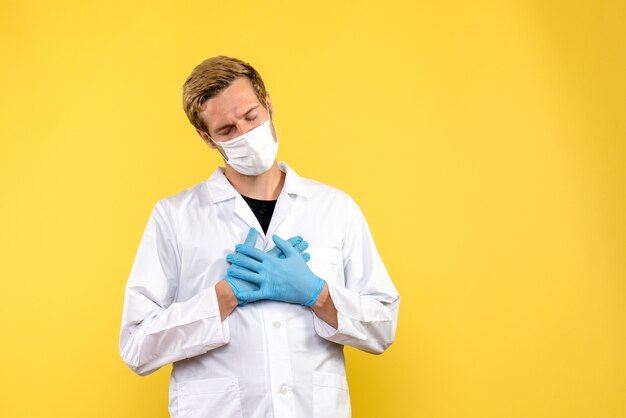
(205, 138)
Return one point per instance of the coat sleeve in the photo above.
(367, 307)
(156, 330)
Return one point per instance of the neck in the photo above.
(266, 186)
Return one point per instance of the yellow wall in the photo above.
(484, 141)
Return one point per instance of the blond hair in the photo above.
(212, 76)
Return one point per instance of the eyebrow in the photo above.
(243, 116)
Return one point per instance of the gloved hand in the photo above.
(240, 286)
(286, 279)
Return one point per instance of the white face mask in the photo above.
(252, 153)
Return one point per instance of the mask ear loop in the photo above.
(273, 128)
(218, 148)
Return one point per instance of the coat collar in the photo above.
(220, 189)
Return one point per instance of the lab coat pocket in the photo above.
(327, 264)
(331, 398)
(217, 398)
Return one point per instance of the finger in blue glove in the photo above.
(296, 242)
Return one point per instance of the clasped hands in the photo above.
(280, 274)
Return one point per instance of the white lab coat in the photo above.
(267, 359)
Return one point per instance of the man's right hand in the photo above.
(239, 286)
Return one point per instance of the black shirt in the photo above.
(262, 209)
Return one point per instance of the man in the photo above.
(254, 327)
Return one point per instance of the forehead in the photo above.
(230, 102)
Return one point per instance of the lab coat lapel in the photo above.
(282, 209)
(220, 190)
(292, 189)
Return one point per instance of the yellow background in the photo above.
(484, 141)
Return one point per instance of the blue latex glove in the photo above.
(286, 279)
(240, 286)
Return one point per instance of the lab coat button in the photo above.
(283, 389)
(276, 324)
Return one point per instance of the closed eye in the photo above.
(225, 130)
(251, 114)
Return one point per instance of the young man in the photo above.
(254, 327)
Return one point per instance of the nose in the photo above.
(242, 128)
